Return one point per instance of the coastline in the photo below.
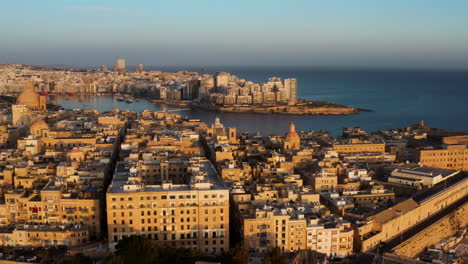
(308, 108)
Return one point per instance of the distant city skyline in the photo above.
(336, 33)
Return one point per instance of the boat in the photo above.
(43, 93)
(120, 99)
(129, 101)
(70, 94)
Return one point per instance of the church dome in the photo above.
(75, 151)
(37, 127)
(29, 96)
(39, 124)
(292, 131)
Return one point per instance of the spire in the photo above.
(292, 127)
(217, 123)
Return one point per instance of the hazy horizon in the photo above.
(418, 34)
(208, 68)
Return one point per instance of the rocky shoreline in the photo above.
(308, 108)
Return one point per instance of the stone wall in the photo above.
(443, 228)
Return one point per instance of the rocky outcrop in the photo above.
(311, 108)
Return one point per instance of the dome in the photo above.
(75, 150)
(37, 127)
(292, 131)
(29, 96)
(39, 124)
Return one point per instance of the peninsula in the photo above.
(302, 107)
(222, 92)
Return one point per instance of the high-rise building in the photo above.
(207, 84)
(119, 65)
(222, 79)
(140, 68)
(290, 85)
(191, 90)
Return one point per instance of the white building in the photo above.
(415, 176)
(332, 239)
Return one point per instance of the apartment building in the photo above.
(268, 227)
(357, 146)
(453, 157)
(44, 235)
(55, 204)
(335, 238)
(193, 214)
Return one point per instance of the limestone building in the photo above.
(27, 102)
(357, 146)
(44, 235)
(391, 222)
(193, 214)
(55, 204)
(292, 140)
(453, 157)
(415, 176)
(335, 239)
(268, 227)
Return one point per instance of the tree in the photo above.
(138, 249)
(275, 256)
(240, 255)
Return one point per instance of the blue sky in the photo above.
(361, 33)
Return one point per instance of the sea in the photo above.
(396, 98)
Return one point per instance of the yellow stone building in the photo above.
(31, 98)
(194, 214)
(453, 157)
(391, 222)
(356, 146)
(53, 204)
(270, 227)
(290, 230)
(44, 235)
(292, 140)
(322, 181)
(27, 102)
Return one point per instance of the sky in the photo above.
(319, 33)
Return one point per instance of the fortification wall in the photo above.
(443, 228)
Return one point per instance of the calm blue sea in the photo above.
(397, 97)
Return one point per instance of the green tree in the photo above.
(240, 255)
(138, 249)
(275, 256)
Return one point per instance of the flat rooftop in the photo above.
(122, 173)
(425, 171)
